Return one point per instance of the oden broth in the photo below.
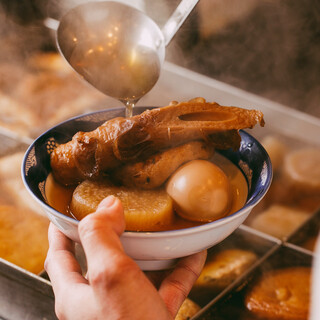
(59, 197)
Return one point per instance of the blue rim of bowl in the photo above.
(253, 198)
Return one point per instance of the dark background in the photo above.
(272, 49)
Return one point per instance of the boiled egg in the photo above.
(200, 191)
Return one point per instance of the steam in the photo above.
(268, 47)
(56, 8)
(272, 49)
(18, 41)
(17, 38)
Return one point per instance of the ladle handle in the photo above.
(51, 23)
(177, 19)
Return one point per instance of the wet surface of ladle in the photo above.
(117, 48)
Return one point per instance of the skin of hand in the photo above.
(114, 287)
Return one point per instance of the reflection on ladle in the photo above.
(117, 48)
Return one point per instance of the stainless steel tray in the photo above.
(24, 295)
(230, 305)
(28, 296)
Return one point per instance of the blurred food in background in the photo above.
(222, 268)
(46, 93)
(294, 194)
(270, 48)
(187, 310)
(23, 227)
(281, 294)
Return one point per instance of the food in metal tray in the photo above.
(12, 189)
(276, 150)
(294, 194)
(221, 269)
(23, 228)
(41, 92)
(23, 237)
(296, 179)
(301, 168)
(282, 294)
(187, 310)
(310, 243)
(14, 117)
(279, 220)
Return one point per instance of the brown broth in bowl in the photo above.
(59, 197)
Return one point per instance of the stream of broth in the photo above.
(59, 197)
(124, 74)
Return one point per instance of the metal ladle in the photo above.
(117, 48)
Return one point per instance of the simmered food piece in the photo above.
(144, 210)
(276, 150)
(123, 140)
(201, 191)
(23, 237)
(279, 221)
(15, 117)
(153, 172)
(310, 243)
(303, 170)
(282, 294)
(296, 176)
(84, 198)
(187, 310)
(11, 184)
(133, 158)
(222, 268)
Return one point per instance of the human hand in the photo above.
(115, 286)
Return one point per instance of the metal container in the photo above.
(24, 293)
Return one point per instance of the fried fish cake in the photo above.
(282, 294)
(23, 237)
(153, 172)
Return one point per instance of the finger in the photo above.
(110, 210)
(69, 286)
(156, 277)
(61, 265)
(177, 285)
(101, 230)
(100, 237)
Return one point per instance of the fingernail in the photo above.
(107, 202)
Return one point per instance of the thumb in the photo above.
(109, 213)
(99, 232)
(110, 210)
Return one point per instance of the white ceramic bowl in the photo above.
(151, 250)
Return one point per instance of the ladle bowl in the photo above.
(117, 48)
